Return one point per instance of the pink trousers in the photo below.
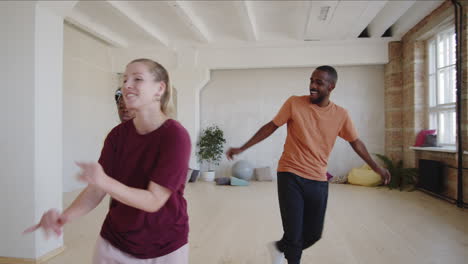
(105, 253)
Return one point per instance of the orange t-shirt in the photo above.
(312, 132)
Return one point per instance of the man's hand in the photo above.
(361, 150)
(385, 174)
(264, 132)
(233, 151)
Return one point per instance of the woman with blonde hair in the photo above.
(143, 167)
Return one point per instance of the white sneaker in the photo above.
(277, 257)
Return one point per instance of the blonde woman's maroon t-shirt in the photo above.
(160, 156)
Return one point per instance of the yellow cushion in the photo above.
(364, 176)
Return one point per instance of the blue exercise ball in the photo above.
(243, 170)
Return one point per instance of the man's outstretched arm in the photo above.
(264, 132)
(361, 150)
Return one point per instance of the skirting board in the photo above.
(46, 257)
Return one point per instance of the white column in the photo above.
(31, 134)
(189, 81)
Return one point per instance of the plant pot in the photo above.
(208, 176)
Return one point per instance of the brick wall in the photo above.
(394, 103)
(464, 115)
(406, 105)
(450, 173)
(414, 87)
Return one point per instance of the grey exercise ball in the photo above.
(243, 170)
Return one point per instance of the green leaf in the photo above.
(211, 145)
(388, 163)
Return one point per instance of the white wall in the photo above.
(241, 101)
(89, 111)
(48, 119)
(189, 66)
(122, 56)
(31, 136)
(16, 135)
(355, 52)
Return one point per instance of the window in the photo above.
(442, 78)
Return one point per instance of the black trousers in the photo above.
(302, 204)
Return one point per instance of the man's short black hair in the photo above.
(118, 95)
(331, 72)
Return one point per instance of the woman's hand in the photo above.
(91, 173)
(51, 222)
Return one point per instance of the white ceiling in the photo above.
(207, 23)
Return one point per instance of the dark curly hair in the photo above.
(118, 95)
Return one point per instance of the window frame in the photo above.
(433, 70)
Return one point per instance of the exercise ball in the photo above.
(243, 170)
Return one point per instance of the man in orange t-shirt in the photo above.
(314, 123)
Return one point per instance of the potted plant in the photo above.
(401, 177)
(210, 149)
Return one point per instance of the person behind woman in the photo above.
(124, 113)
(143, 166)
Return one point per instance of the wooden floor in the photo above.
(231, 225)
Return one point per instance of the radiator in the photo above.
(431, 175)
